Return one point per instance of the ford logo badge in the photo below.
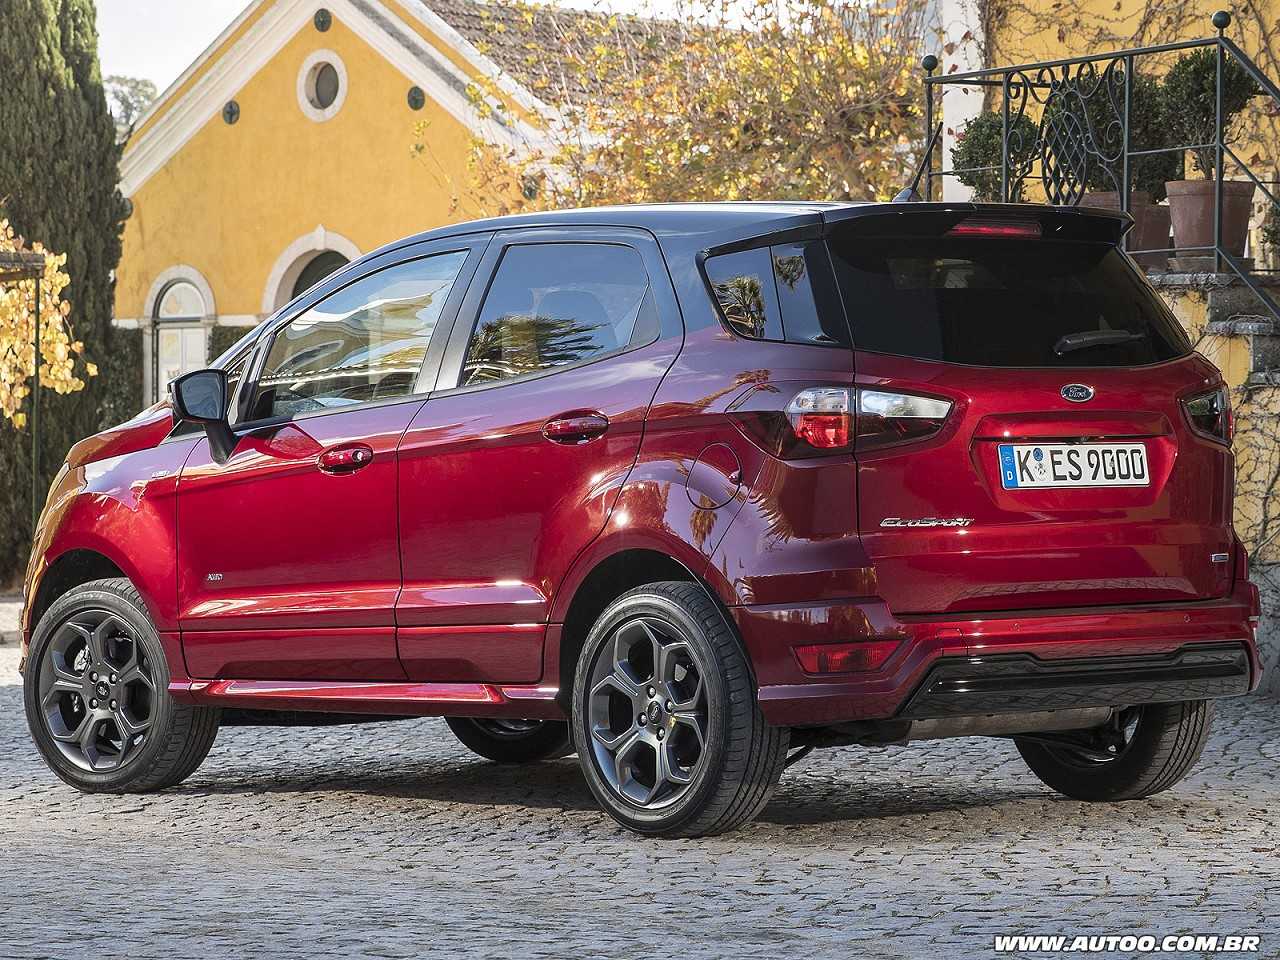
(1077, 392)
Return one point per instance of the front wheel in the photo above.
(665, 720)
(96, 690)
(1141, 751)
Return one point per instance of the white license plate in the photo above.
(1073, 465)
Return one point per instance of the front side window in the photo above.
(365, 342)
(556, 304)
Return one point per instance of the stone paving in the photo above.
(391, 840)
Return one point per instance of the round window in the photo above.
(322, 85)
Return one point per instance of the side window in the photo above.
(365, 342)
(811, 307)
(785, 292)
(555, 304)
(744, 288)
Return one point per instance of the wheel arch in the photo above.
(602, 581)
(67, 571)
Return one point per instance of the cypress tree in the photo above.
(59, 175)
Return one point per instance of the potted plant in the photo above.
(977, 153)
(1148, 128)
(1190, 89)
(1271, 237)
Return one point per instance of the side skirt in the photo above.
(385, 699)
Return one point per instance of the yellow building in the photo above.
(284, 151)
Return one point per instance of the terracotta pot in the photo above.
(1191, 205)
(1110, 199)
(1150, 223)
(1151, 232)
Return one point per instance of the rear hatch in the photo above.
(1084, 457)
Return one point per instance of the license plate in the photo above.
(1073, 465)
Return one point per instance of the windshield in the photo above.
(1006, 303)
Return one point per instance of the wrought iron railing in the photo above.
(1083, 113)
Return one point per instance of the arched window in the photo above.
(178, 336)
(319, 267)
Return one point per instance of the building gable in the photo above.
(428, 53)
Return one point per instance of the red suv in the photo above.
(685, 490)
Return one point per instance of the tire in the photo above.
(1161, 749)
(518, 741)
(134, 739)
(701, 721)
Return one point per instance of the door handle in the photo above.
(346, 459)
(575, 428)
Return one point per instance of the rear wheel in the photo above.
(96, 691)
(513, 741)
(1142, 751)
(665, 720)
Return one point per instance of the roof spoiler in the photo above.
(917, 219)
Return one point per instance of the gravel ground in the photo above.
(390, 840)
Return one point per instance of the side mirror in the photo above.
(201, 397)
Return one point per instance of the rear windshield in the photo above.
(1003, 303)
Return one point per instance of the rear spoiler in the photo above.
(933, 220)
(937, 219)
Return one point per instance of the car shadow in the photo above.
(559, 785)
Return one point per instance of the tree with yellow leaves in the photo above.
(733, 100)
(58, 351)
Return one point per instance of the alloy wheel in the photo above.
(647, 712)
(508, 728)
(1104, 744)
(97, 691)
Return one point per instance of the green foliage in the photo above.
(1191, 91)
(979, 149)
(129, 97)
(1149, 125)
(221, 339)
(1271, 233)
(58, 174)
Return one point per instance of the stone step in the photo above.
(1242, 325)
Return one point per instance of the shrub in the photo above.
(978, 152)
(59, 170)
(1191, 91)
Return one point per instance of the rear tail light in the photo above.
(822, 417)
(1210, 415)
(858, 657)
(886, 418)
(997, 229)
(821, 420)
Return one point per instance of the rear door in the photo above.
(513, 465)
(1069, 470)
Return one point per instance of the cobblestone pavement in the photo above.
(390, 840)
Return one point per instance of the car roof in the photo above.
(707, 224)
(660, 219)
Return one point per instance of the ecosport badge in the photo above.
(1077, 392)
(927, 522)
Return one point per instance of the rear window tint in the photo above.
(1005, 303)
(785, 292)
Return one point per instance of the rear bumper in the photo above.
(1019, 682)
(1003, 662)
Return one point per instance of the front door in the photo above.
(288, 555)
(511, 468)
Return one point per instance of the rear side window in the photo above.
(785, 292)
(558, 304)
(1003, 303)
